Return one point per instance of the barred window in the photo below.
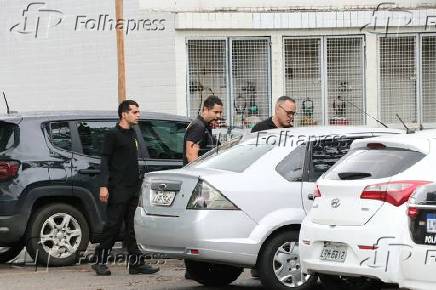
(235, 69)
(326, 77)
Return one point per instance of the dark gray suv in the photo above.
(49, 166)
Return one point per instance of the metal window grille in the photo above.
(398, 79)
(345, 81)
(248, 100)
(250, 81)
(429, 78)
(303, 79)
(207, 72)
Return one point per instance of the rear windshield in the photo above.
(233, 156)
(8, 136)
(373, 163)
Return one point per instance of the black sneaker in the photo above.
(101, 270)
(188, 276)
(142, 269)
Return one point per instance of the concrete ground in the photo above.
(23, 274)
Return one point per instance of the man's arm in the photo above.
(104, 167)
(194, 134)
(191, 151)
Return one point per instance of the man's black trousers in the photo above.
(117, 213)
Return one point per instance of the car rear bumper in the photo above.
(379, 259)
(418, 267)
(221, 236)
(12, 229)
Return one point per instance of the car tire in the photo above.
(11, 252)
(56, 235)
(331, 282)
(210, 274)
(280, 251)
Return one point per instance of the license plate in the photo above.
(335, 253)
(431, 223)
(163, 198)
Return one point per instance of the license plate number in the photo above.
(334, 253)
(163, 198)
(431, 223)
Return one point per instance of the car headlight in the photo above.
(205, 196)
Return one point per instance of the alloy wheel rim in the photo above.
(60, 235)
(286, 265)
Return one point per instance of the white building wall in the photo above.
(230, 5)
(63, 69)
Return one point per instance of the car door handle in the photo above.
(310, 196)
(89, 171)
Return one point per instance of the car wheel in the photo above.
(331, 282)
(279, 263)
(212, 274)
(57, 234)
(9, 253)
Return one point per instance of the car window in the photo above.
(325, 153)
(236, 158)
(8, 132)
(163, 139)
(373, 163)
(291, 167)
(92, 135)
(60, 135)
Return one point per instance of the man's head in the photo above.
(128, 112)
(285, 111)
(212, 109)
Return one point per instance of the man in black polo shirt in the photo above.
(119, 188)
(198, 137)
(283, 116)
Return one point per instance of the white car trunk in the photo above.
(340, 203)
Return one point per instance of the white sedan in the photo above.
(241, 205)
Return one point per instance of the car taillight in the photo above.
(8, 169)
(412, 212)
(395, 193)
(205, 196)
(316, 193)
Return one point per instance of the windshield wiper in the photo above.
(353, 175)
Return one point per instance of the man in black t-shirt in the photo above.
(198, 137)
(283, 116)
(119, 189)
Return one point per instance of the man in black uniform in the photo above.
(198, 137)
(283, 116)
(119, 188)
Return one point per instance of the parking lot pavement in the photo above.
(19, 276)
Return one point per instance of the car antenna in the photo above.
(368, 115)
(408, 130)
(7, 105)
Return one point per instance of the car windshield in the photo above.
(235, 155)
